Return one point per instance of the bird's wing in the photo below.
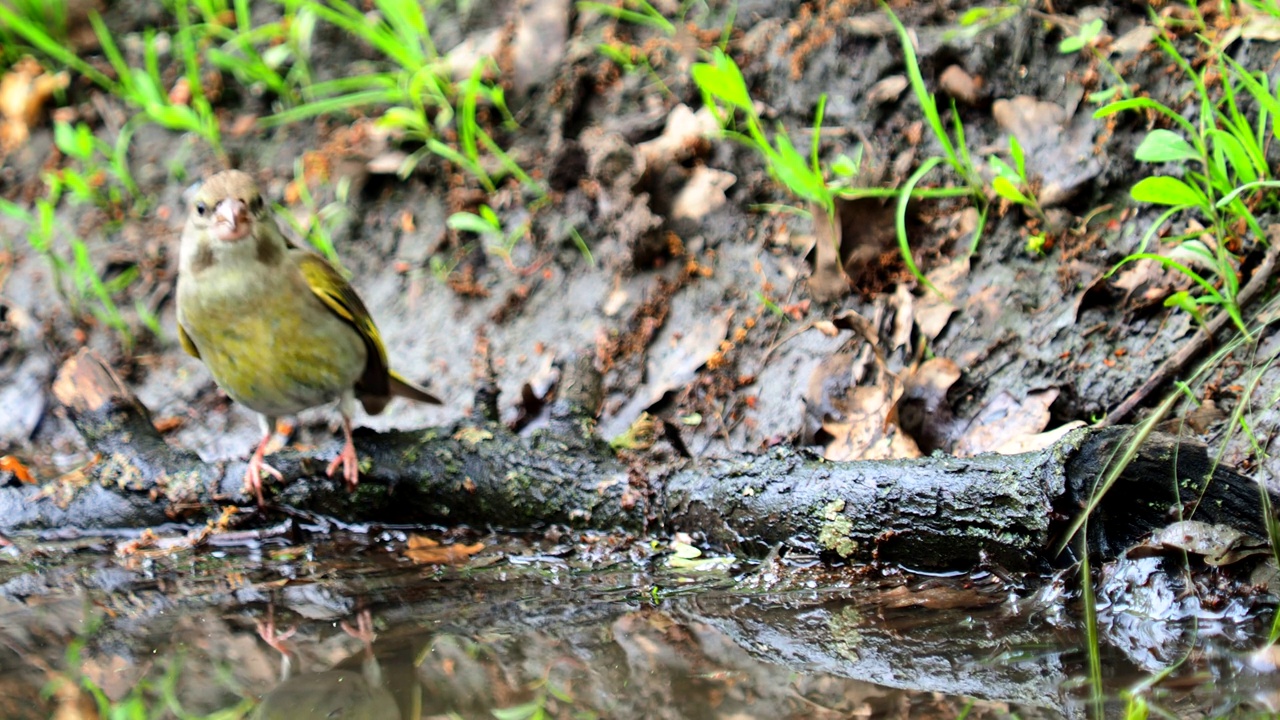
(187, 345)
(337, 294)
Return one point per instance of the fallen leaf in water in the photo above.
(425, 551)
(1218, 544)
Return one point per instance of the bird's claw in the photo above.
(350, 465)
(267, 631)
(253, 474)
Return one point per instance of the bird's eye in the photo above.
(255, 205)
(201, 209)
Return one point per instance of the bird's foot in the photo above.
(267, 631)
(347, 459)
(258, 466)
(363, 631)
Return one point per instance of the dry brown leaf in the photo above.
(887, 90)
(538, 42)
(1059, 147)
(674, 360)
(1005, 422)
(854, 399)
(959, 84)
(425, 551)
(24, 90)
(932, 311)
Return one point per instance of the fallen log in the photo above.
(928, 512)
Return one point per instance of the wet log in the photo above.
(928, 512)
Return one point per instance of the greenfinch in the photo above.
(278, 327)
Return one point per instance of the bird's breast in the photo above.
(277, 352)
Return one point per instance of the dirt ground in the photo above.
(700, 297)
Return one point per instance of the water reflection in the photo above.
(348, 626)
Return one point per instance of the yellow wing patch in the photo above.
(337, 294)
(187, 345)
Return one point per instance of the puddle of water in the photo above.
(557, 627)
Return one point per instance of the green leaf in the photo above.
(793, 171)
(1071, 44)
(469, 222)
(1235, 153)
(973, 16)
(1165, 146)
(1002, 168)
(1005, 189)
(1092, 29)
(1163, 190)
(1015, 151)
(844, 166)
(722, 79)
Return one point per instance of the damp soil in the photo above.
(706, 310)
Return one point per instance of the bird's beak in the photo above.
(231, 220)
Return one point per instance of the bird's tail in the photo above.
(398, 386)
(402, 387)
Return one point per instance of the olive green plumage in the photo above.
(278, 327)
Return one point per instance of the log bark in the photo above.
(929, 512)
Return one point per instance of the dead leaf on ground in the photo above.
(887, 90)
(902, 304)
(1039, 441)
(476, 48)
(425, 551)
(24, 90)
(1145, 282)
(853, 398)
(959, 84)
(11, 464)
(1218, 544)
(702, 193)
(1005, 421)
(933, 310)
(1059, 148)
(1134, 41)
(828, 281)
(923, 410)
(674, 360)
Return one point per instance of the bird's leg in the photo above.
(257, 465)
(363, 632)
(267, 631)
(347, 458)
